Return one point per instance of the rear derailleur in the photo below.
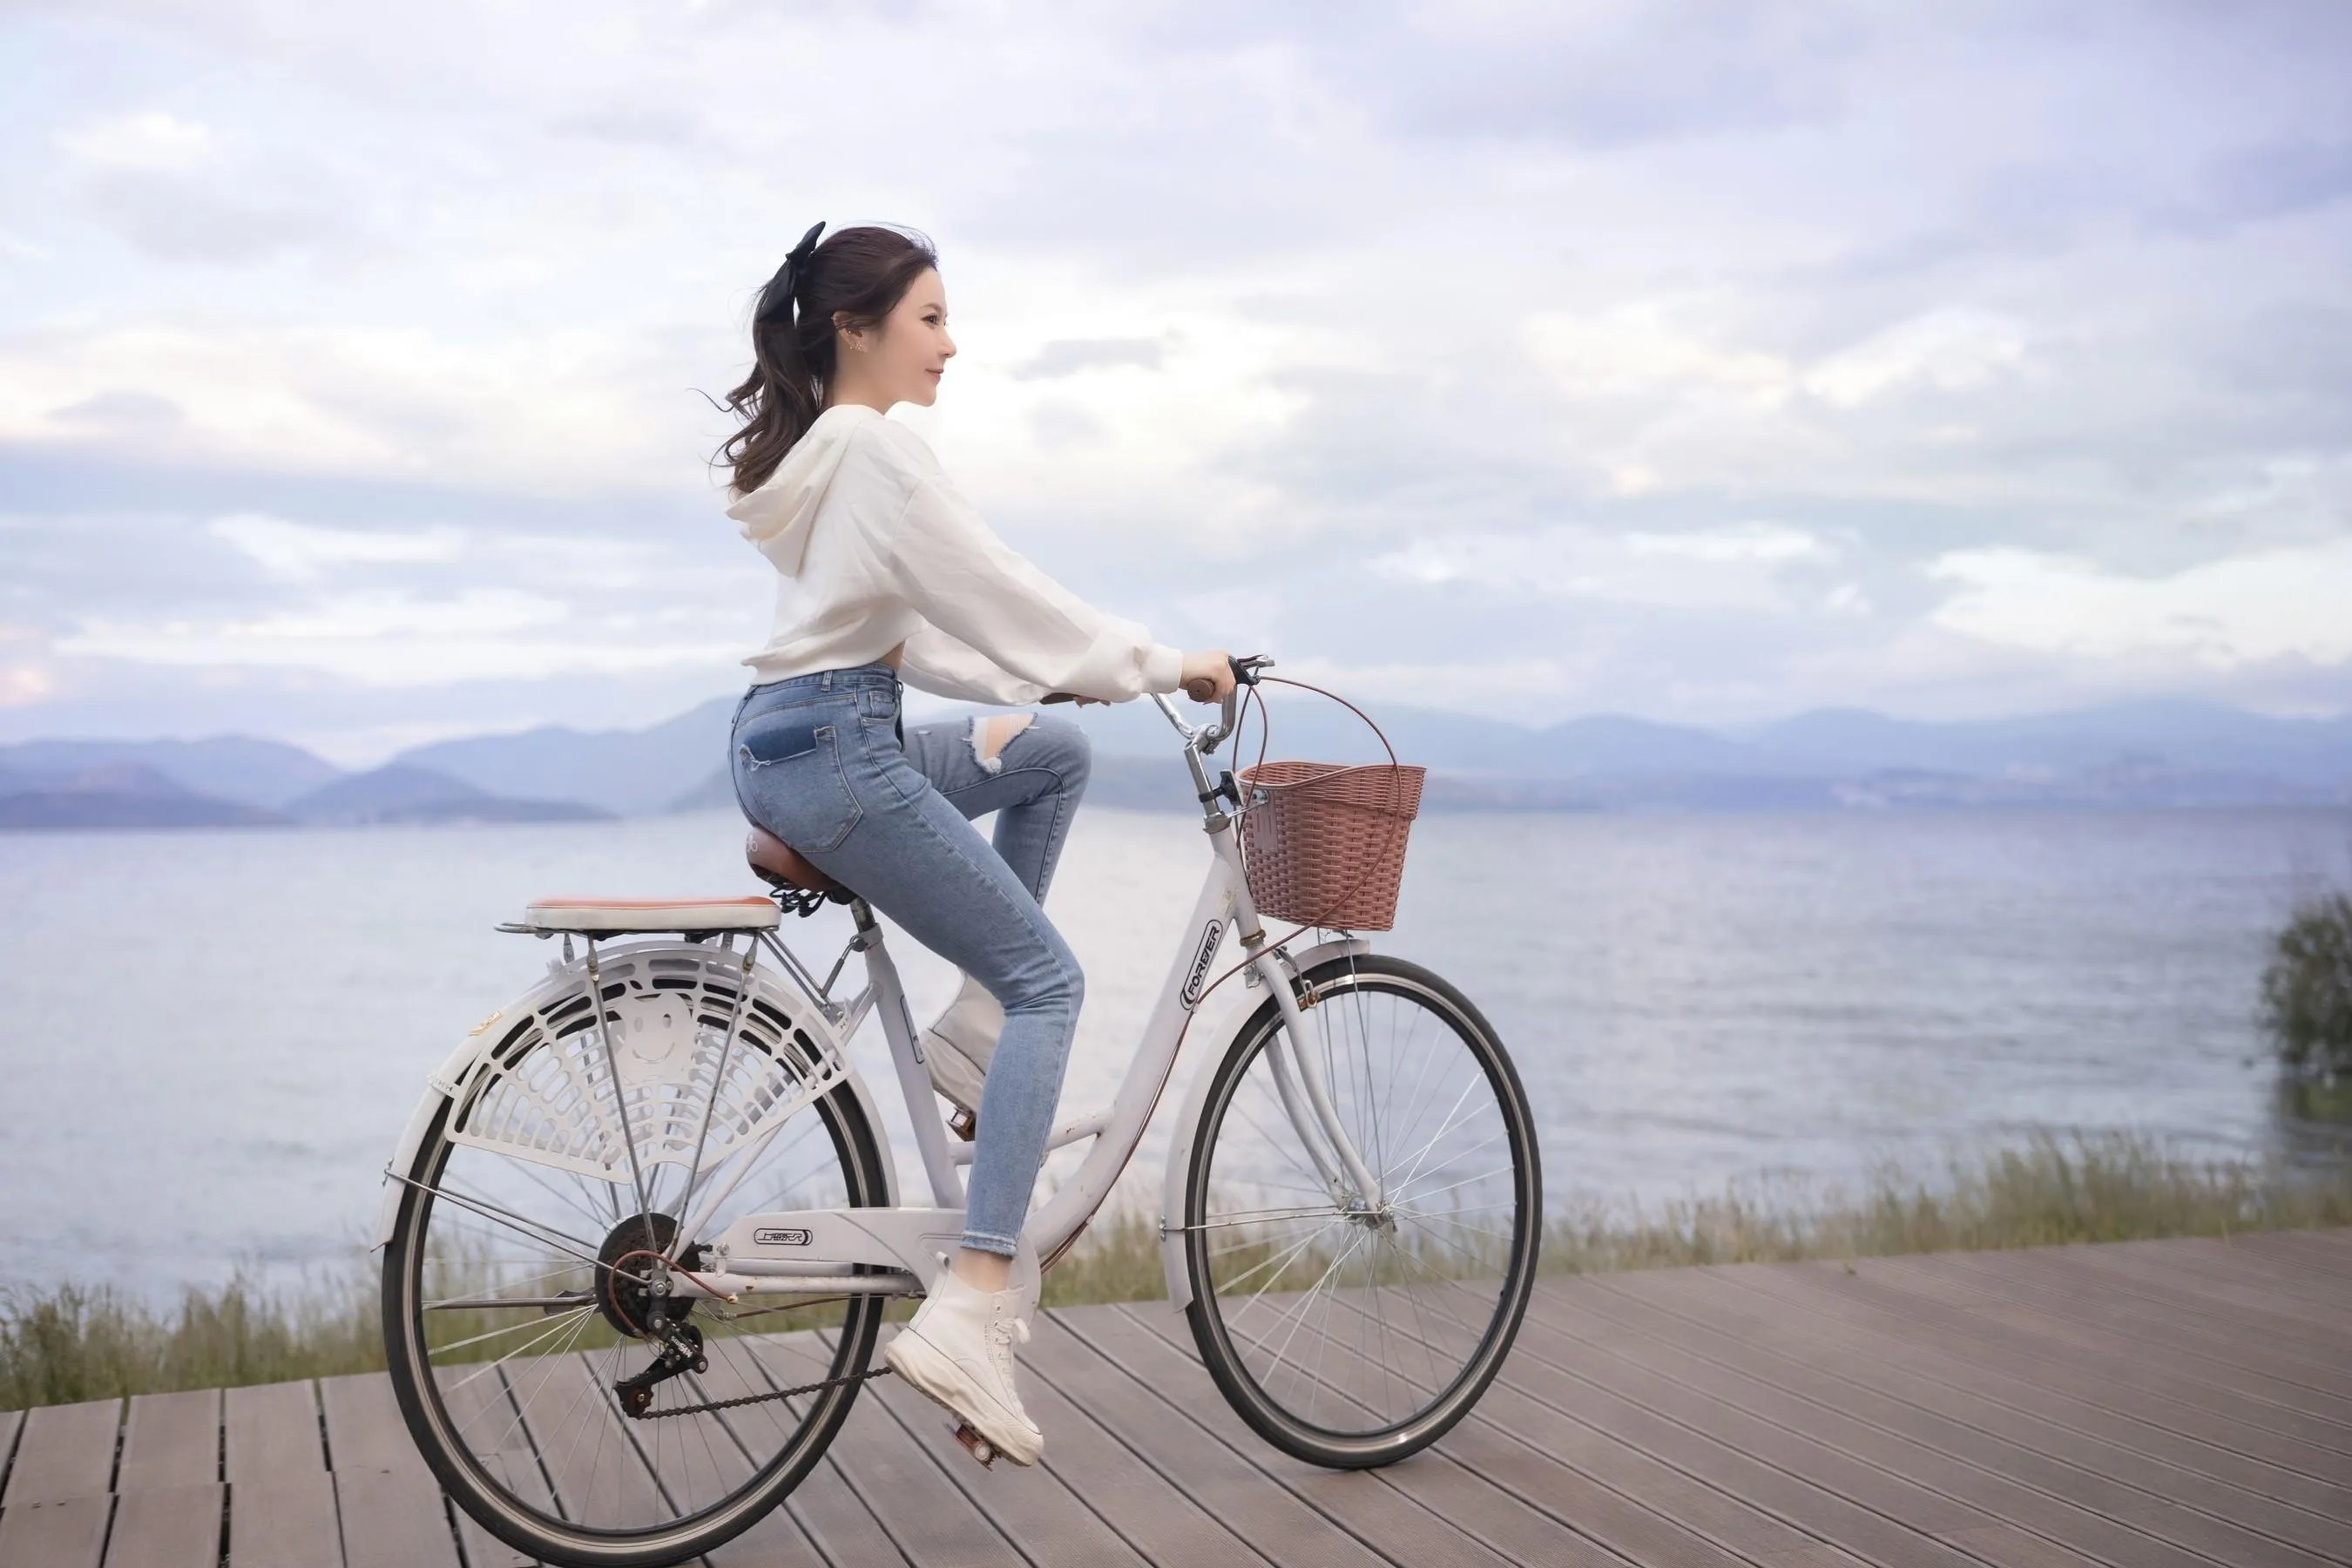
(681, 1353)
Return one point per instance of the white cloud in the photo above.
(395, 639)
(1246, 304)
(151, 141)
(1737, 567)
(1954, 350)
(1640, 350)
(2279, 604)
(298, 551)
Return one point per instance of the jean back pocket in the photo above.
(765, 745)
(789, 779)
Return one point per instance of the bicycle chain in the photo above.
(708, 1406)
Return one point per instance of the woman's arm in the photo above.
(993, 604)
(937, 663)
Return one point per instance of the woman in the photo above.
(889, 575)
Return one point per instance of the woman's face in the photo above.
(903, 359)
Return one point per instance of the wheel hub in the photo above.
(632, 1276)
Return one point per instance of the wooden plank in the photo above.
(1358, 1503)
(1877, 1516)
(288, 1523)
(365, 1431)
(66, 1451)
(2253, 1255)
(2220, 1290)
(1895, 1442)
(2321, 1251)
(598, 1476)
(1195, 1484)
(2006, 1543)
(270, 1432)
(167, 1527)
(1950, 1308)
(1494, 1517)
(823, 1511)
(171, 1440)
(1620, 1512)
(1586, 1479)
(391, 1507)
(1835, 1296)
(777, 1540)
(1040, 1509)
(394, 1519)
(11, 1422)
(928, 1520)
(1804, 1361)
(2073, 1405)
(2242, 1337)
(2221, 1300)
(477, 1402)
(65, 1533)
(2271, 1400)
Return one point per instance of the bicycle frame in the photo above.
(892, 1250)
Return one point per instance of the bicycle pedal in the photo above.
(978, 1447)
(964, 1124)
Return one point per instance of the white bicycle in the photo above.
(640, 1236)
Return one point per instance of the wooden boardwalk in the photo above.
(2177, 1404)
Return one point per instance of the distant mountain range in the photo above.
(2135, 754)
(124, 793)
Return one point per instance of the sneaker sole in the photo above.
(928, 1371)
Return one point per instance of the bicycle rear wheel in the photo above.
(1352, 1335)
(513, 1306)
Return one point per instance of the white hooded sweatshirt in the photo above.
(877, 548)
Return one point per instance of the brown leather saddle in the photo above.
(783, 868)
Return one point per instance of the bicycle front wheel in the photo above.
(1350, 1333)
(520, 1330)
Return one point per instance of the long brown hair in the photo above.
(853, 279)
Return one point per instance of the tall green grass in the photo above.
(74, 1343)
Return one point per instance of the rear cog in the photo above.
(627, 1265)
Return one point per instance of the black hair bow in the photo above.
(776, 299)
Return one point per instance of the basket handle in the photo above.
(1375, 729)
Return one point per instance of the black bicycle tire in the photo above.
(469, 1487)
(1260, 1411)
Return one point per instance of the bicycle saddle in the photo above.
(779, 865)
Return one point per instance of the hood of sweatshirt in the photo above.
(779, 515)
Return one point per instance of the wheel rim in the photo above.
(515, 1352)
(1345, 1323)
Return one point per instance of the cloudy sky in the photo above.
(1703, 361)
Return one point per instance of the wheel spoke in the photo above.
(513, 1281)
(1375, 1326)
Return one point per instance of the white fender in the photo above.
(1180, 1139)
(563, 980)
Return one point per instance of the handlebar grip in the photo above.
(1202, 690)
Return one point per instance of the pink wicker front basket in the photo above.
(1324, 842)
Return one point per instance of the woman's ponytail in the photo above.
(852, 280)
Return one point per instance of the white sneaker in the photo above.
(958, 1048)
(959, 1350)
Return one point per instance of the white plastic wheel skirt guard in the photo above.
(532, 1081)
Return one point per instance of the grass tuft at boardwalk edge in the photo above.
(72, 1342)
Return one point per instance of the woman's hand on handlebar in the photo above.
(1208, 676)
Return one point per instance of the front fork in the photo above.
(1296, 1054)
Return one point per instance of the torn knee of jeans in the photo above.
(992, 732)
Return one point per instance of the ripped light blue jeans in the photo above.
(820, 762)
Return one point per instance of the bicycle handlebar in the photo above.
(1245, 673)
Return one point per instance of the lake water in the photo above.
(213, 1040)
